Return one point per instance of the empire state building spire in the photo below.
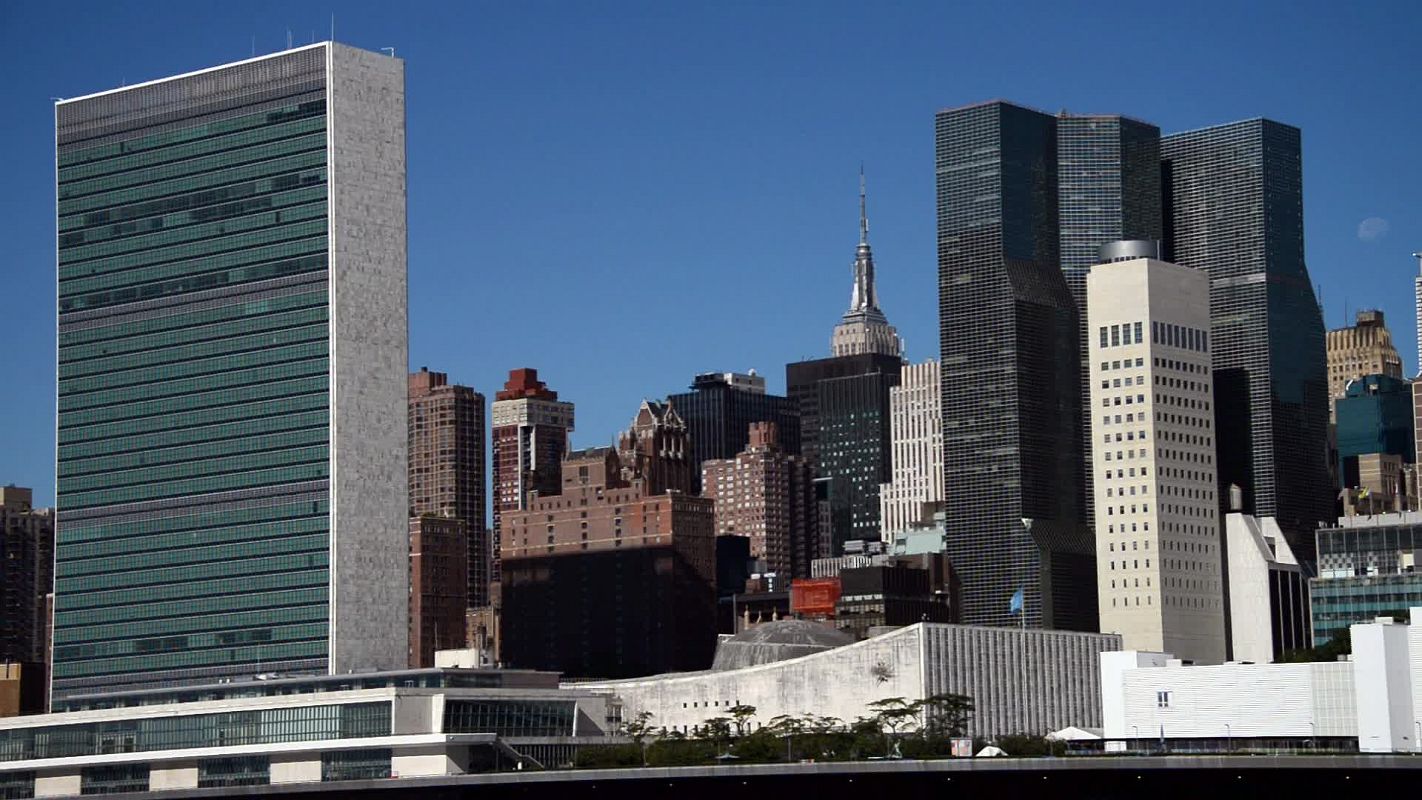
(864, 328)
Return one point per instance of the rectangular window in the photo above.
(1103, 335)
(1115, 335)
(1138, 332)
(1162, 699)
(355, 765)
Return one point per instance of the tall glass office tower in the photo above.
(1010, 372)
(1234, 207)
(232, 361)
(1108, 190)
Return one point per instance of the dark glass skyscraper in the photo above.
(719, 410)
(1234, 207)
(1108, 189)
(231, 487)
(1011, 372)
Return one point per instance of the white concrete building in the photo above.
(1268, 597)
(1370, 702)
(1153, 458)
(305, 730)
(1032, 681)
(916, 445)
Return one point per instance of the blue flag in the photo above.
(1015, 606)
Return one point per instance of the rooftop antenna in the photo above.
(333, 27)
(288, 38)
(863, 213)
(254, 45)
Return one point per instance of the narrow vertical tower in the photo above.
(864, 328)
(1417, 300)
(231, 361)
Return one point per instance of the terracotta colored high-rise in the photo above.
(768, 495)
(530, 434)
(447, 465)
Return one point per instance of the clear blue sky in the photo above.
(624, 194)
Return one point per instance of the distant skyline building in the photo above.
(916, 449)
(231, 355)
(1234, 207)
(767, 495)
(614, 575)
(843, 402)
(864, 328)
(1364, 348)
(530, 437)
(1011, 372)
(1376, 439)
(1158, 534)
(26, 576)
(721, 407)
(447, 465)
(439, 586)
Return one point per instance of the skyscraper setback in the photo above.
(1234, 207)
(1011, 372)
(531, 427)
(231, 350)
(447, 465)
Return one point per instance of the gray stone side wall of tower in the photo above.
(369, 493)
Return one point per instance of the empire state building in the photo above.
(864, 328)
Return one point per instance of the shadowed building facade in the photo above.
(1234, 207)
(1011, 372)
(232, 357)
(614, 576)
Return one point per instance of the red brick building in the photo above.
(768, 496)
(439, 584)
(446, 424)
(614, 576)
(530, 438)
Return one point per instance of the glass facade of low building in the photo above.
(1364, 571)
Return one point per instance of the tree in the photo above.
(946, 715)
(740, 716)
(638, 729)
(718, 731)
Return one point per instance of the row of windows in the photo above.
(207, 180)
(198, 202)
(278, 625)
(268, 158)
(179, 608)
(218, 235)
(312, 557)
(224, 656)
(151, 162)
(293, 352)
(1186, 338)
(129, 230)
(226, 729)
(209, 434)
(269, 545)
(99, 535)
(316, 467)
(509, 718)
(174, 405)
(1123, 334)
(1126, 364)
(178, 422)
(70, 157)
(193, 283)
(150, 596)
(236, 462)
(291, 243)
(238, 316)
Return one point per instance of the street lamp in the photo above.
(1135, 740)
(1312, 735)
(1229, 739)
(1419, 735)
